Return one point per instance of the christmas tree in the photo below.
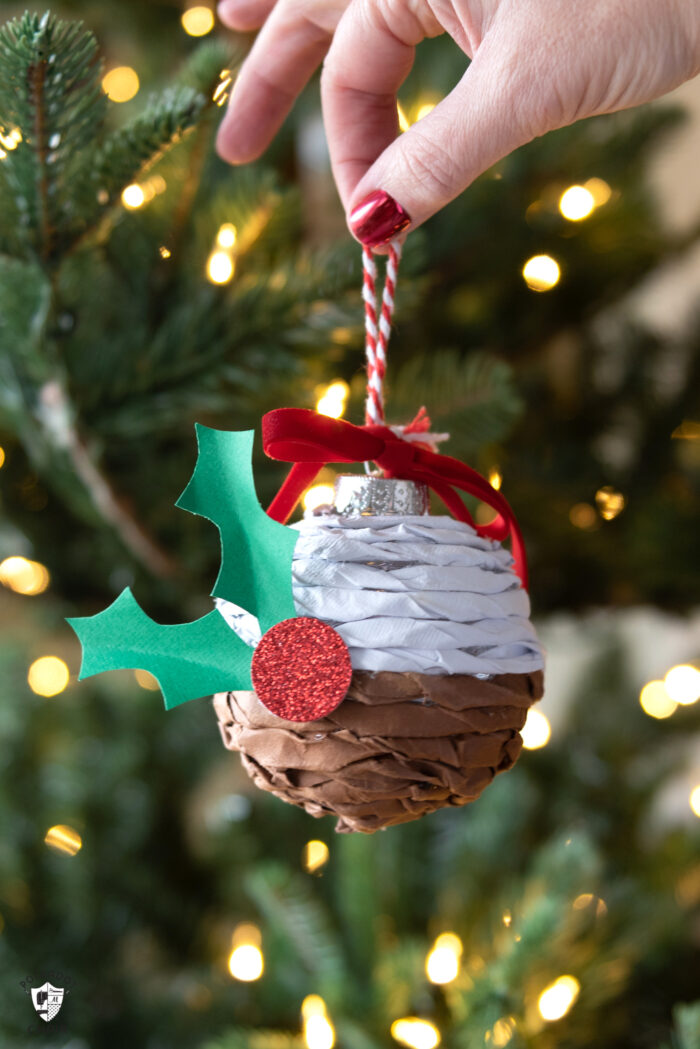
(144, 285)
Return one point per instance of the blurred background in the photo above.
(548, 319)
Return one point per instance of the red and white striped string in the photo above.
(377, 336)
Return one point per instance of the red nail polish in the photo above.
(377, 219)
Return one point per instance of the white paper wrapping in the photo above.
(425, 594)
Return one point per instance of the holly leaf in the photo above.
(189, 660)
(256, 552)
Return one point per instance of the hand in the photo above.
(536, 65)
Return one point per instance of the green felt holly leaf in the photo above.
(196, 659)
(189, 660)
(256, 552)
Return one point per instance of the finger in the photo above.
(366, 64)
(289, 47)
(244, 15)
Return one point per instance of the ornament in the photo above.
(373, 661)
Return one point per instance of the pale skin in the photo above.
(536, 65)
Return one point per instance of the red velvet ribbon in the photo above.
(312, 441)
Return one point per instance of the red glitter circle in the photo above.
(301, 669)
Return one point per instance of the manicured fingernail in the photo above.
(378, 218)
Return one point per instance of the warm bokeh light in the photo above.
(24, 576)
(404, 122)
(319, 495)
(583, 516)
(221, 91)
(655, 700)
(63, 839)
(246, 962)
(220, 267)
(415, 1033)
(442, 962)
(541, 272)
(536, 731)
(227, 235)
(332, 400)
(315, 855)
(587, 899)
(610, 502)
(197, 21)
(695, 800)
(424, 109)
(133, 196)
(48, 675)
(319, 1033)
(557, 999)
(682, 683)
(2, 457)
(599, 190)
(164, 252)
(502, 1031)
(121, 84)
(9, 140)
(495, 478)
(576, 203)
(146, 680)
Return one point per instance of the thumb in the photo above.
(486, 116)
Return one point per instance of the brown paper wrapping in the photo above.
(400, 745)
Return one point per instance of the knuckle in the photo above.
(431, 165)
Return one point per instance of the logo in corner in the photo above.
(48, 998)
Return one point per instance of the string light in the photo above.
(164, 252)
(23, 576)
(220, 267)
(682, 683)
(495, 478)
(502, 1031)
(319, 495)
(610, 502)
(694, 800)
(318, 1029)
(146, 680)
(583, 516)
(599, 190)
(443, 960)
(133, 196)
(2, 457)
(576, 203)
(536, 731)
(9, 140)
(246, 962)
(315, 856)
(63, 839)
(415, 1033)
(121, 84)
(541, 272)
(227, 235)
(655, 700)
(404, 122)
(48, 675)
(557, 999)
(197, 21)
(586, 899)
(333, 399)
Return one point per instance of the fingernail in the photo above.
(377, 219)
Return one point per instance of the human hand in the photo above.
(536, 65)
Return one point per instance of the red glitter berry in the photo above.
(301, 669)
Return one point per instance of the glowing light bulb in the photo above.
(332, 401)
(246, 963)
(682, 683)
(695, 800)
(495, 478)
(502, 1031)
(227, 235)
(319, 495)
(557, 999)
(121, 84)
(315, 855)
(164, 252)
(48, 675)
(599, 190)
(63, 839)
(2, 457)
(11, 139)
(319, 1033)
(415, 1033)
(220, 267)
(541, 272)
(23, 576)
(610, 503)
(655, 700)
(404, 122)
(133, 196)
(197, 21)
(536, 731)
(442, 962)
(577, 203)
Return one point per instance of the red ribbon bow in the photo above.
(311, 441)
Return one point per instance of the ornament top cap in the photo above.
(363, 495)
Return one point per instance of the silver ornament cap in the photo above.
(363, 495)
